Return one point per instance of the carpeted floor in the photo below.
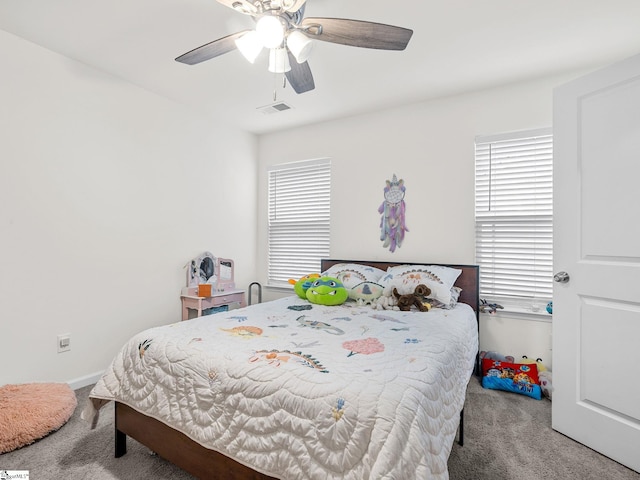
(507, 437)
(76, 452)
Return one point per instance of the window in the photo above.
(514, 217)
(299, 219)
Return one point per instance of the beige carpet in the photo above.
(31, 411)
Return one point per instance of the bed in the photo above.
(293, 390)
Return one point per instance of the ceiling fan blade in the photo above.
(357, 33)
(242, 6)
(300, 77)
(211, 50)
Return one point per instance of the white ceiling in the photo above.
(457, 46)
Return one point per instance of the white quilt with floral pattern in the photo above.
(301, 391)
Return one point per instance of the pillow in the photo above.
(438, 278)
(352, 274)
(455, 295)
(511, 377)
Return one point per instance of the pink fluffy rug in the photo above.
(31, 411)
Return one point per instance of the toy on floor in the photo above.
(496, 356)
(511, 377)
(544, 375)
(546, 383)
(537, 361)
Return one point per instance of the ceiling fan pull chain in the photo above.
(275, 89)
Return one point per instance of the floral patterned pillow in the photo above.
(352, 274)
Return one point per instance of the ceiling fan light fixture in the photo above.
(270, 31)
(300, 45)
(282, 28)
(279, 60)
(249, 45)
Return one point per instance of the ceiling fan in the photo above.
(282, 28)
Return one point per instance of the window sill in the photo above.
(280, 288)
(522, 313)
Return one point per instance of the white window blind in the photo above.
(299, 219)
(514, 215)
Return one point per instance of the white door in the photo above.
(596, 313)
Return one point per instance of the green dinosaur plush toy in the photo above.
(327, 291)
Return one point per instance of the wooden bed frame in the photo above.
(204, 463)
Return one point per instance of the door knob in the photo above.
(561, 277)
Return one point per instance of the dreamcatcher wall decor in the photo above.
(392, 223)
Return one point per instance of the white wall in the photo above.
(431, 146)
(106, 191)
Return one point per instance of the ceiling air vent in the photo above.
(274, 108)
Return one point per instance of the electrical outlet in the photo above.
(64, 342)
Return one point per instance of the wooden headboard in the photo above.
(468, 281)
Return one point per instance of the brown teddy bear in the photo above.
(405, 302)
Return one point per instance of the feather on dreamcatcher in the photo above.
(392, 223)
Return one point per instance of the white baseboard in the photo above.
(84, 381)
